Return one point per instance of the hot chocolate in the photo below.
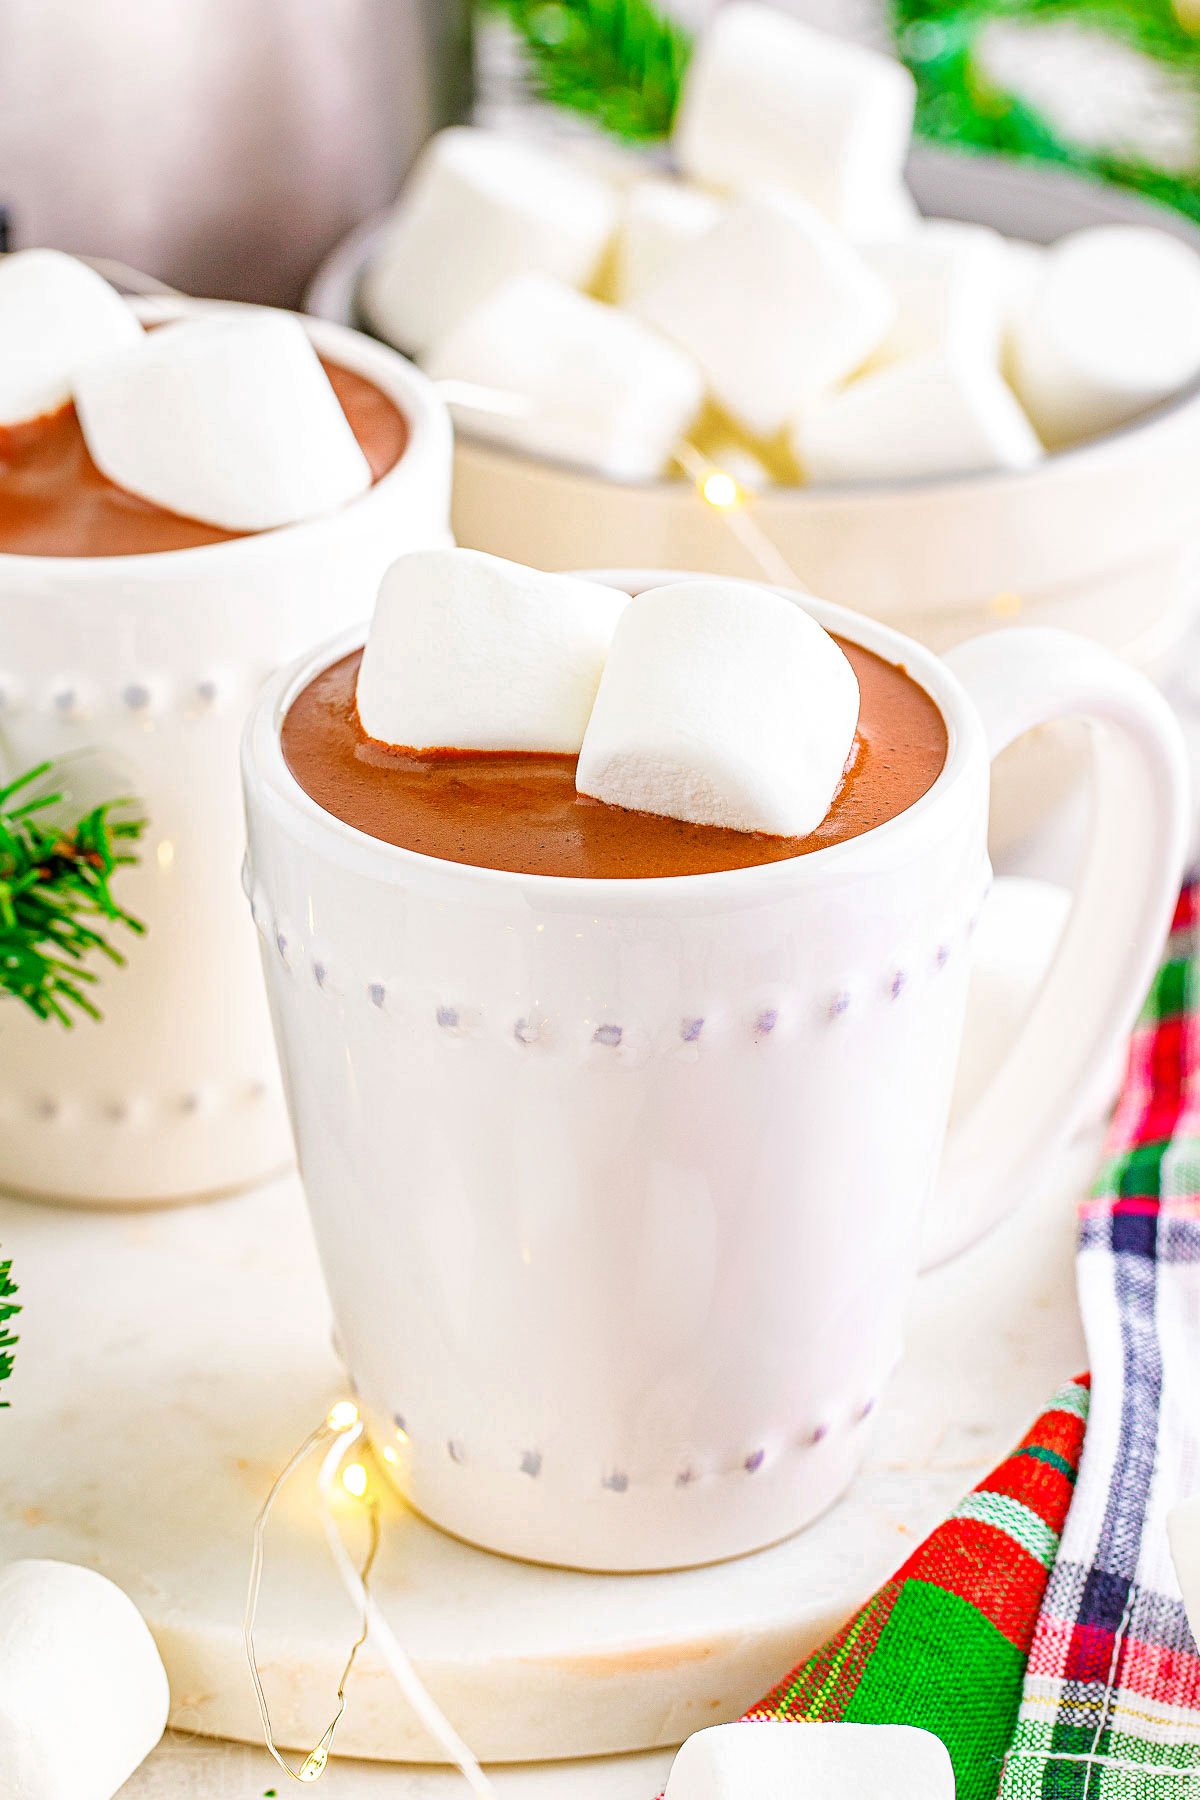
(521, 811)
(55, 502)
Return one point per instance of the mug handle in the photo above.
(1124, 896)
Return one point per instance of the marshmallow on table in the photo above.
(478, 209)
(660, 219)
(1183, 1534)
(949, 413)
(469, 652)
(770, 103)
(83, 1693)
(773, 305)
(1112, 327)
(229, 419)
(721, 703)
(55, 315)
(570, 378)
(766, 1760)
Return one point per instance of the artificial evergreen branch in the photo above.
(619, 62)
(56, 898)
(8, 1311)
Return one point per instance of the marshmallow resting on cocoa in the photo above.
(229, 419)
(660, 219)
(768, 102)
(770, 1760)
(721, 703)
(83, 1692)
(774, 305)
(56, 314)
(478, 209)
(949, 413)
(1112, 327)
(469, 652)
(568, 377)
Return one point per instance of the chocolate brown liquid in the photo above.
(55, 502)
(520, 811)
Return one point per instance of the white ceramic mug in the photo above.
(619, 1185)
(141, 670)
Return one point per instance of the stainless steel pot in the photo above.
(222, 145)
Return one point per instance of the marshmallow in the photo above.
(55, 315)
(722, 703)
(766, 1760)
(770, 103)
(478, 209)
(773, 305)
(950, 287)
(1183, 1535)
(468, 652)
(83, 1693)
(573, 379)
(1112, 328)
(661, 218)
(945, 414)
(229, 419)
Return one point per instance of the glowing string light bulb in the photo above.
(726, 497)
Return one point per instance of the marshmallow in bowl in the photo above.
(950, 289)
(469, 652)
(565, 376)
(948, 413)
(56, 314)
(478, 209)
(721, 703)
(773, 305)
(768, 102)
(765, 1759)
(1111, 328)
(660, 219)
(229, 419)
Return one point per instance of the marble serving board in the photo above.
(170, 1362)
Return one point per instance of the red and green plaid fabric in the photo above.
(1111, 1707)
(943, 1644)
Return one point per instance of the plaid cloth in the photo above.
(1111, 1707)
(943, 1644)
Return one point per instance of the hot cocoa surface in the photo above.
(55, 502)
(520, 811)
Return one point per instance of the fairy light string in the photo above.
(336, 1435)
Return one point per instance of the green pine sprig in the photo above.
(56, 899)
(8, 1311)
(618, 62)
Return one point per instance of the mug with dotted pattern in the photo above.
(142, 669)
(619, 1186)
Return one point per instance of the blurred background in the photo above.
(226, 145)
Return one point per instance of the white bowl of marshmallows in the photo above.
(944, 421)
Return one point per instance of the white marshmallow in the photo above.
(83, 1693)
(478, 209)
(945, 414)
(468, 652)
(1112, 328)
(765, 1760)
(722, 703)
(229, 419)
(583, 382)
(55, 315)
(950, 288)
(773, 305)
(660, 219)
(1183, 1535)
(769, 102)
